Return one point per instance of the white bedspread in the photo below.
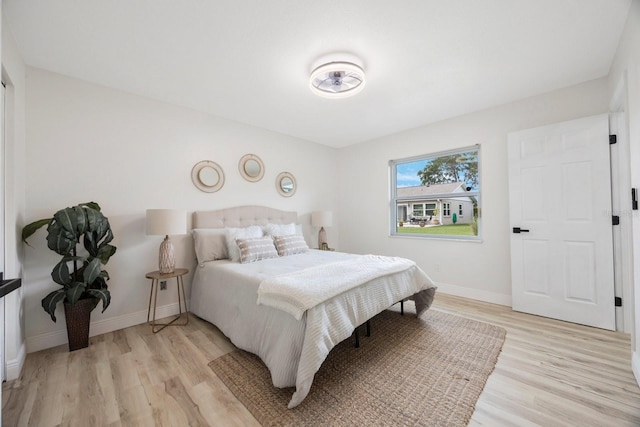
(301, 290)
(225, 293)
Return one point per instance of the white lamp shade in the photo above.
(166, 221)
(322, 219)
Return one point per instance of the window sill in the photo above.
(469, 239)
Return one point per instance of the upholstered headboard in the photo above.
(242, 216)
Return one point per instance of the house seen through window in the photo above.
(436, 195)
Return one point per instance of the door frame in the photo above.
(3, 181)
(621, 205)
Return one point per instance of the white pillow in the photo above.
(256, 249)
(290, 245)
(232, 234)
(210, 244)
(280, 229)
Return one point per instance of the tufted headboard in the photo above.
(242, 216)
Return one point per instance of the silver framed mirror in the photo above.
(207, 176)
(286, 184)
(251, 167)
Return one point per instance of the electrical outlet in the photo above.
(163, 285)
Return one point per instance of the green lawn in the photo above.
(454, 230)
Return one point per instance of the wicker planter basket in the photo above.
(78, 318)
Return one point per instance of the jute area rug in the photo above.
(426, 371)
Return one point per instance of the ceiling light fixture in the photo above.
(337, 80)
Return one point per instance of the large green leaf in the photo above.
(90, 238)
(92, 205)
(93, 217)
(108, 235)
(99, 233)
(105, 252)
(60, 240)
(81, 220)
(104, 296)
(50, 302)
(75, 291)
(91, 271)
(29, 229)
(67, 219)
(60, 273)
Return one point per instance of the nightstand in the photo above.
(156, 277)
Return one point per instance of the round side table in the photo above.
(156, 277)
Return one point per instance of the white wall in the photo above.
(13, 74)
(625, 71)
(128, 153)
(472, 269)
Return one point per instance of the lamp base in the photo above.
(167, 257)
(322, 237)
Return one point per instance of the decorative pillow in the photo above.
(232, 234)
(290, 245)
(256, 249)
(210, 244)
(280, 229)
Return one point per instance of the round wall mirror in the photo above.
(286, 184)
(251, 167)
(207, 176)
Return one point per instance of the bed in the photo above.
(291, 338)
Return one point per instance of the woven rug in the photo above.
(426, 371)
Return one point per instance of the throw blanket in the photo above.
(302, 290)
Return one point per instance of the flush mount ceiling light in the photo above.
(337, 80)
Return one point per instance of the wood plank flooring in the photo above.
(550, 373)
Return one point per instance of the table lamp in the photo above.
(321, 219)
(166, 222)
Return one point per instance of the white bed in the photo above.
(225, 293)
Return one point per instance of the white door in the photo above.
(560, 200)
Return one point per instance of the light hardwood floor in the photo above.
(550, 373)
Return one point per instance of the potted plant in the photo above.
(435, 220)
(79, 273)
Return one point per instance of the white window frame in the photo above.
(394, 199)
(446, 209)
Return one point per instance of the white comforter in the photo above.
(225, 293)
(304, 289)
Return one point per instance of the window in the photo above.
(431, 186)
(430, 208)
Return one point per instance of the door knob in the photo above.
(518, 230)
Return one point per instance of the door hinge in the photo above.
(613, 139)
(618, 301)
(615, 220)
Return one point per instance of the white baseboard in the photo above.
(635, 366)
(56, 338)
(477, 294)
(14, 366)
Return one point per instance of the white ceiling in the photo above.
(425, 60)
